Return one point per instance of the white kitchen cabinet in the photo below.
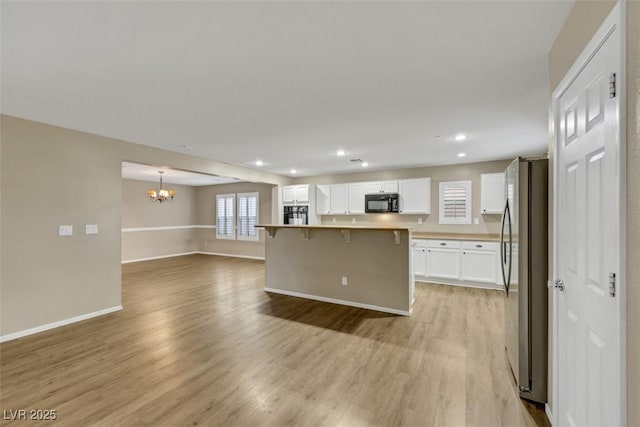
(323, 199)
(295, 194)
(492, 188)
(443, 262)
(419, 254)
(479, 262)
(340, 199)
(461, 263)
(389, 186)
(415, 196)
(357, 191)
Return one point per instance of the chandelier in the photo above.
(161, 195)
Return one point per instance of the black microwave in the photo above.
(381, 202)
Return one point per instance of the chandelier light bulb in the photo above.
(161, 195)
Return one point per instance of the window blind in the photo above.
(455, 202)
(247, 216)
(225, 216)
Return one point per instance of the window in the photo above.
(247, 216)
(225, 220)
(455, 202)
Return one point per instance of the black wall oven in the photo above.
(296, 215)
(381, 202)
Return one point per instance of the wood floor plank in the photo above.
(199, 342)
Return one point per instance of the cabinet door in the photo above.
(302, 193)
(479, 265)
(356, 196)
(372, 187)
(288, 194)
(415, 196)
(492, 198)
(339, 199)
(443, 263)
(323, 199)
(389, 186)
(419, 261)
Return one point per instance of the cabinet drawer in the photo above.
(419, 243)
(488, 246)
(450, 244)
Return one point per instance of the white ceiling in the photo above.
(171, 176)
(289, 83)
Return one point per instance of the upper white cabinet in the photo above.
(339, 199)
(389, 187)
(492, 199)
(415, 196)
(357, 191)
(323, 199)
(348, 199)
(295, 194)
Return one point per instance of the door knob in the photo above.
(558, 284)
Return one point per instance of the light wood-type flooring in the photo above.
(200, 343)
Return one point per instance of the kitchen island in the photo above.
(360, 266)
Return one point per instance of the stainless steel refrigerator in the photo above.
(523, 256)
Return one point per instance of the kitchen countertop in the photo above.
(334, 227)
(455, 236)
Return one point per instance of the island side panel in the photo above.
(377, 269)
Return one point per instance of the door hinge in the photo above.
(612, 85)
(612, 284)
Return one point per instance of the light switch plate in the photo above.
(91, 229)
(65, 230)
(419, 220)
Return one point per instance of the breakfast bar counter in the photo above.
(360, 266)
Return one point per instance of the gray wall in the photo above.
(469, 171)
(582, 23)
(139, 212)
(51, 176)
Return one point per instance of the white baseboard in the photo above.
(488, 286)
(547, 410)
(128, 261)
(339, 301)
(261, 258)
(37, 329)
(230, 255)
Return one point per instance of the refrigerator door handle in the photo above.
(503, 248)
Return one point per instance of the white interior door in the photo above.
(587, 245)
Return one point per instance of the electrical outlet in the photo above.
(345, 282)
(353, 220)
(333, 219)
(476, 221)
(65, 230)
(419, 220)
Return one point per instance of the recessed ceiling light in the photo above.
(293, 171)
(259, 163)
(462, 154)
(364, 164)
(460, 137)
(341, 153)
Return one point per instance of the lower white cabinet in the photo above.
(419, 259)
(443, 263)
(478, 262)
(464, 263)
